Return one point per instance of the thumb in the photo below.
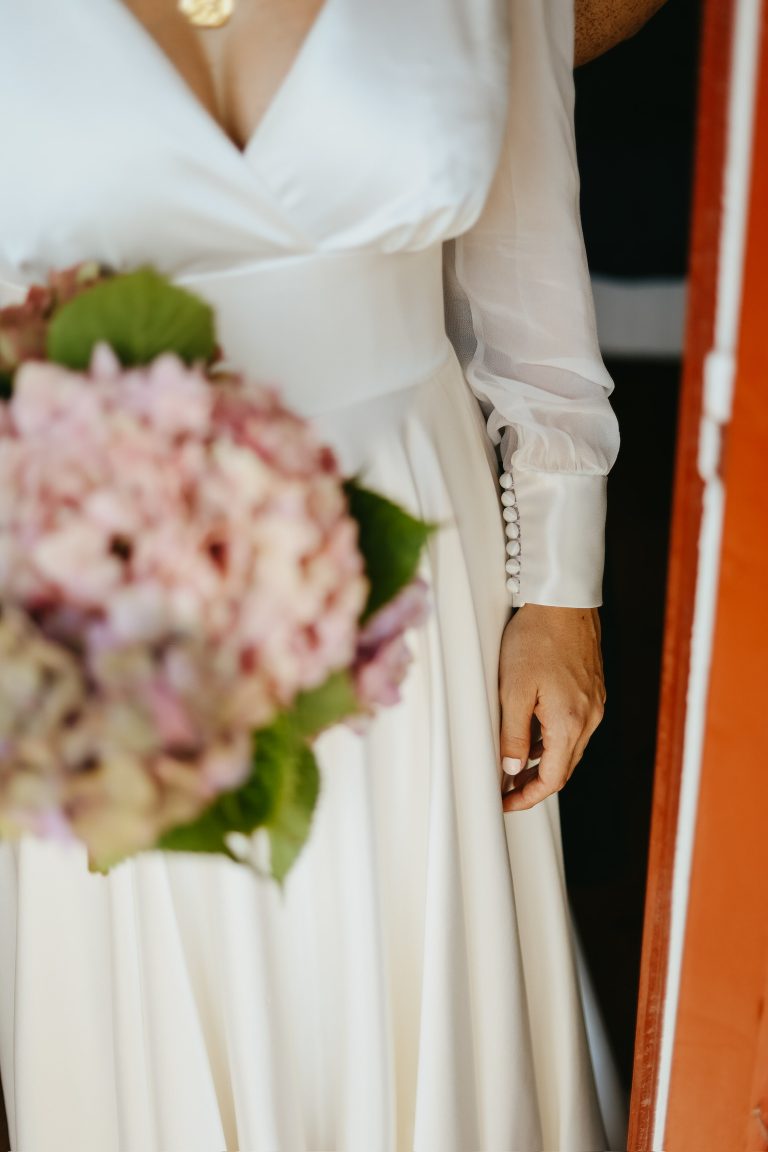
(516, 716)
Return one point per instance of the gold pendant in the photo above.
(207, 13)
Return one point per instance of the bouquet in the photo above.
(190, 591)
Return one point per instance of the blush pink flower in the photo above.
(24, 327)
(383, 656)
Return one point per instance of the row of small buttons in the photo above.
(512, 529)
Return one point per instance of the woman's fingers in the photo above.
(526, 797)
(536, 751)
(552, 773)
(515, 784)
(516, 715)
(535, 783)
(531, 769)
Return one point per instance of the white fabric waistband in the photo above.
(332, 330)
(328, 330)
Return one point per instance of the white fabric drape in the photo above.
(533, 359)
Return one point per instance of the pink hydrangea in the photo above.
(186, 562)
(383, 656)
(24, 327)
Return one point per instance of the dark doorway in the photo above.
(635, 117)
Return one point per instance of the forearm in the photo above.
(601, 24)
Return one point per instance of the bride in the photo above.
(331, 175)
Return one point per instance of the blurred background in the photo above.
(635, 129)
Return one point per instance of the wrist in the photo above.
(556, 611)
(556, 622)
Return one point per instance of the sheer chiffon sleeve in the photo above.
(520, 311)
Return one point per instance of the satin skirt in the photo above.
(415, 986)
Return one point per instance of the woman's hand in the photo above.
(550, 675)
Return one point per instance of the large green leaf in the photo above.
(140, 314)
(390, 540)
(279, 795)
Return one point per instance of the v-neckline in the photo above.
(194, 102)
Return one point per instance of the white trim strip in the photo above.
(640, 318)
(693, 742)
(717, 407)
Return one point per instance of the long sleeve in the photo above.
(517, 284)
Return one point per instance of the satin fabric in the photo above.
(415, 986)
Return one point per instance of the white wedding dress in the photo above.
(416, 985)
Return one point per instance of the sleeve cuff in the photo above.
(561, 518)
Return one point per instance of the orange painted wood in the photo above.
(681, 580)
(719, 1035)
(757, 1123)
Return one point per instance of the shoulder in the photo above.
(600, 24)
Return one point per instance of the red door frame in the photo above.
(717, 1082)
(683, 554)
(718, 1098)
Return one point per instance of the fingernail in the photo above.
(512, 765)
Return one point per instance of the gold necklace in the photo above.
(207, 13)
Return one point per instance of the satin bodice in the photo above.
(320, 243)
(384, 135)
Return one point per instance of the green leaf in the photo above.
(242, 810)
(325, 706)
(140, 314)
(279, 795)
(292, 817)
(391, 541)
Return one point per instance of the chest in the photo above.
(379, 126)
(235, 70)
